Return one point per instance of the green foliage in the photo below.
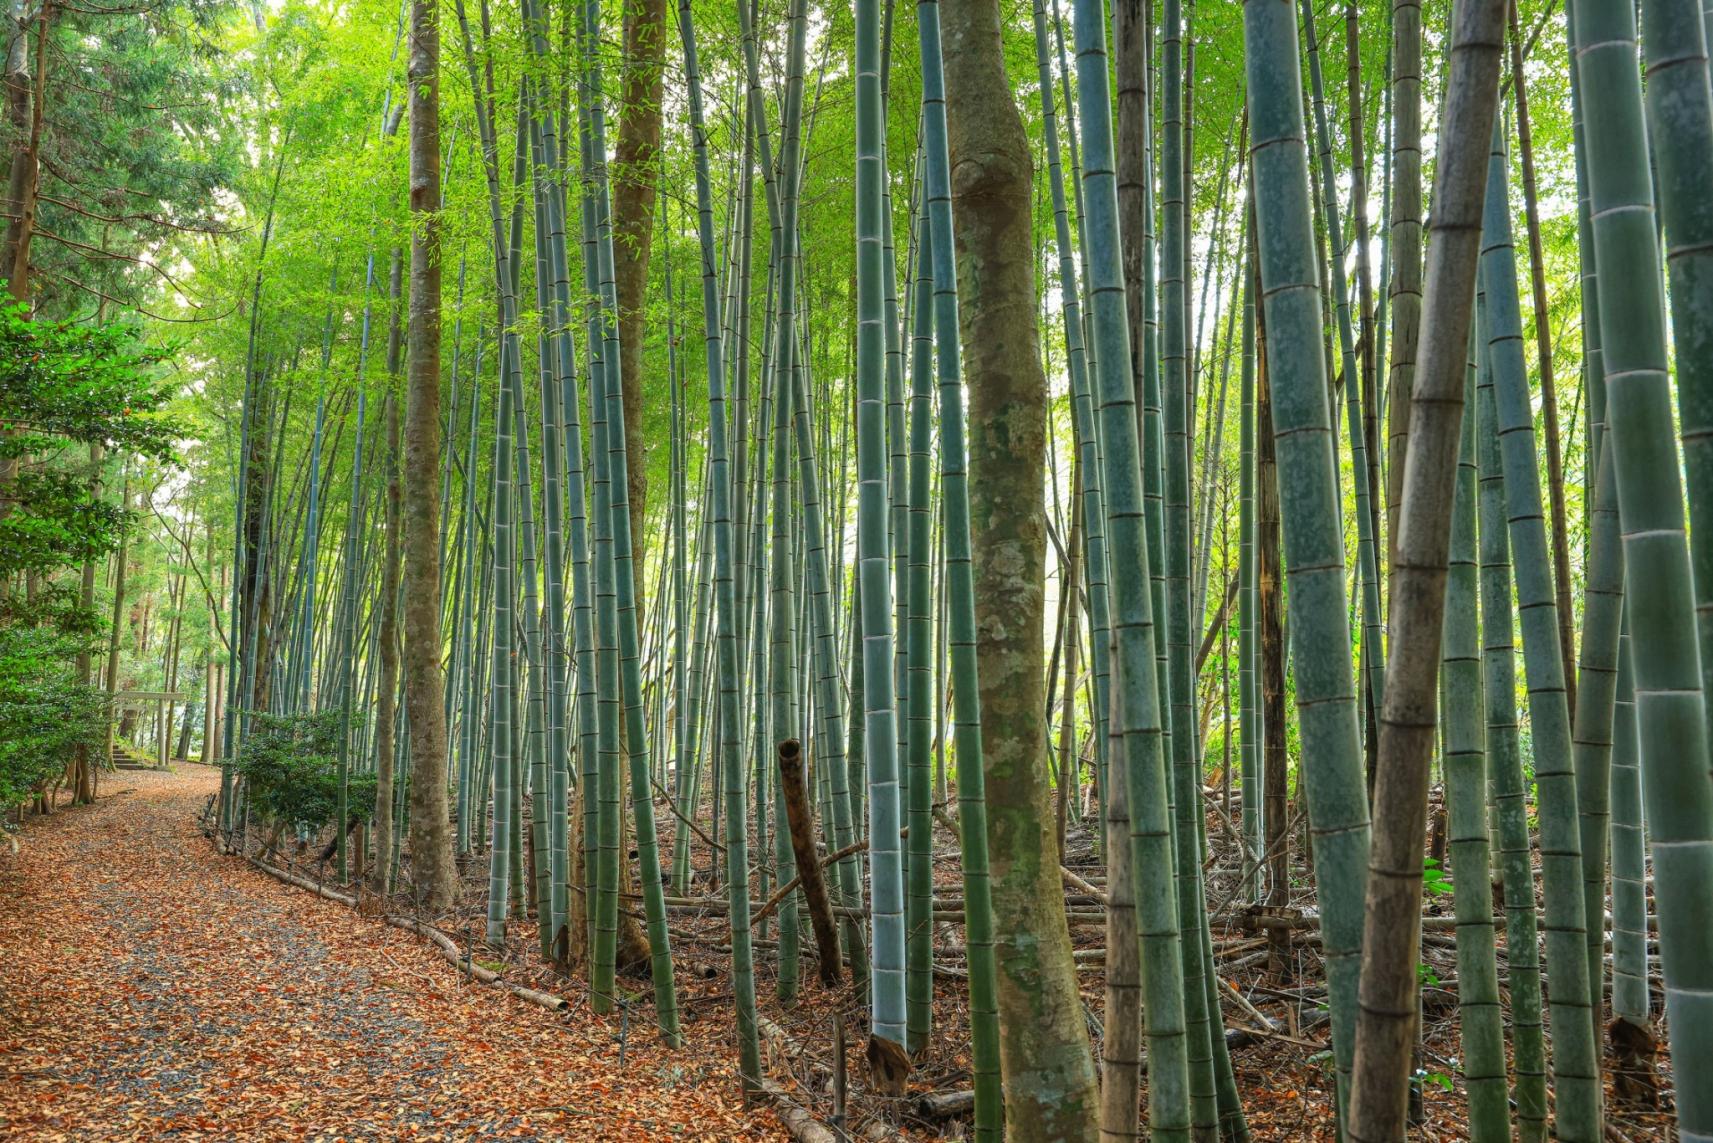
(1435, 881)
(65, 385)
(133, 149)
(289, 764)
(45, 714)
(1434, 1079)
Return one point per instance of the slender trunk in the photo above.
(386, 688)
(1309, 516)
(83, 785)
(1506, 782)
(1138, 755)
(1405, 247)
(725, 594)
(1478, 997)
(1386, 1027)
(1575, 1062)
(25, 91)
(1560, 532)
(1270, 624)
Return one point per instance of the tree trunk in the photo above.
(1406, 243)
(256, 596)
(83, 785)
(432, 867)
(636, 170)
(1386, 1024)
(1559, 534)
(1129, 49)
(24, 97)
(1050, 1088)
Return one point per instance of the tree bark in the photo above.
(1387, 1018)
(431, 859)
(1050, 1086)
(636, 172)
(24, 97)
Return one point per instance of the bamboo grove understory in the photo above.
(1058, 532)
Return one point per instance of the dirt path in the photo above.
(150, 989)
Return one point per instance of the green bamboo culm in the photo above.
(936, 245)
(348, 666)
(1575, 1061)
(1373, 650)
(552, 380)
(1308, 504)
(1669, 714)
(505, 560)
(1137, 750)
(1094, 503)
(598, 795)
(1121, 1054)
(1630, 1001)
(576, 524)
(830, 731)
(1505, 765)
(1680, 124)
(919, 674)
(1180, 670)
(725, 593)
(1596, 694)
(783, 643)
(608, 706)
(1479, 1010)
(601, 778)
(630, 673)
(880, 738)
(1248, 682)
(782, 646)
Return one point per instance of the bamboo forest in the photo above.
(956, 569)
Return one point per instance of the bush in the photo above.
(290, 766)
(45, 714)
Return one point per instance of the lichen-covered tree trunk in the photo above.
(635, 173)
(430, 836)
(1050, 1087)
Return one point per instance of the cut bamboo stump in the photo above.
(808, 865)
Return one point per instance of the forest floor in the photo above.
(151, 989)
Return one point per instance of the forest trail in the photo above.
(151, 989)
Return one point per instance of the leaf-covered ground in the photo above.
(150, 989)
